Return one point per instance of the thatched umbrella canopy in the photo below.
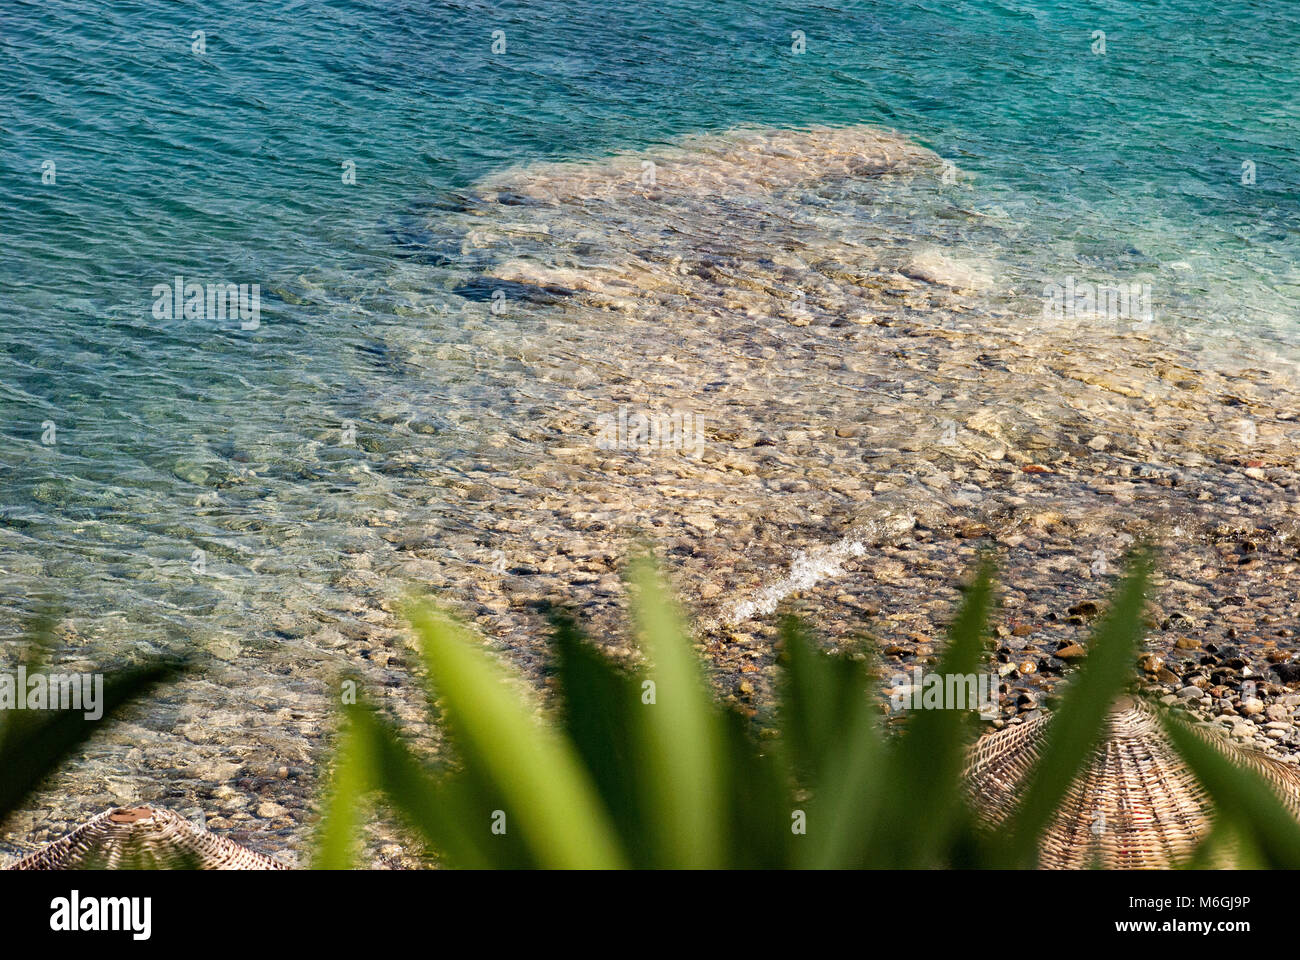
(1135, 805)
(143, 838)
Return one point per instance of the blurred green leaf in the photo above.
(544, 788)
(354, 776)
(759, 805)
(844, 806)
(817, 692)
(681, 737)
(830, 738)
(451, 812)
(645, 769)
(33, 744)
(1266, 831)
(1078, 723)
(928, 760)
(600, 704)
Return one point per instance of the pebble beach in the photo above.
(863, 404)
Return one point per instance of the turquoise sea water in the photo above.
(175, 435)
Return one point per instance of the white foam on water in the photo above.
(811, 567)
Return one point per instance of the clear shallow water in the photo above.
(180, 435)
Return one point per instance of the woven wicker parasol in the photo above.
(1136, 805)
(143, 838)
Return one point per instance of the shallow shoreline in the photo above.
(888, 407)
